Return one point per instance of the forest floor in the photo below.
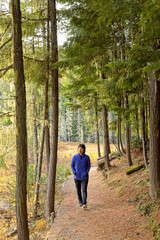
(111, 213)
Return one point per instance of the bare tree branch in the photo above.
(7, 68)
(6, 28)
(4, 70)
(5, 43)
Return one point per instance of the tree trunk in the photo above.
(39, 173)
(105, 138)
(69, 132)
(127, 133)
(137, 124)
(54, 125)
(146, 127)
(108, 141)
(147, 110)
(119, 135)
(45, 130)
(79, 125)
(46, 124)
(21, 136)
(47, 135)
(154, 136)
(35, 132)
(120, 128)
(143, 134)
(97, 129)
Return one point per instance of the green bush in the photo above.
(136, 143)
(63, 171)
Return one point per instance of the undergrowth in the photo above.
(37, 227)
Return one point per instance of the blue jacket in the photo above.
(80, 166)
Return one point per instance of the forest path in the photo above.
(107, 217)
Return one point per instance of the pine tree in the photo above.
(21, 138)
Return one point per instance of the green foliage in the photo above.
(2, 162)
(155, 228)
(63, 171)
(31, 175)
(136, 143)
(6, 121)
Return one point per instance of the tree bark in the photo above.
(119, 135)
(154, 136)
(105, 138)
(39, 173)
(137, 123)
(54, 125)
(127, 133)
(47, 135)
(143, 130)
(21, 136)
(97, 129)
(79, 125)
(35, 133)
(108, 141)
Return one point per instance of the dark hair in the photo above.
(82, 146)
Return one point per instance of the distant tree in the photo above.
(21, 136)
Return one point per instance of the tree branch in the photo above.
(6, 28)
(5, 42)
(5, 70)
(11, 98)
(8, 114)
(35, 19)
(36, 60)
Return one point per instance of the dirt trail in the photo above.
(106, 218)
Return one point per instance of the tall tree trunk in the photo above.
(127, 133)
(107, 128)
(79, 125)
(108, 139)
(154, 136)
(45, 130)
(35, 132)
(105, 138)
(21, 136)
(54, 125)
(143, 130)
(137, 124)
(121, 102)
(147, 110)
(69, 132)
(119, 135)
(47, 135)
(39, 172)
(97, 129)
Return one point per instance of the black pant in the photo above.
(82, 196)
